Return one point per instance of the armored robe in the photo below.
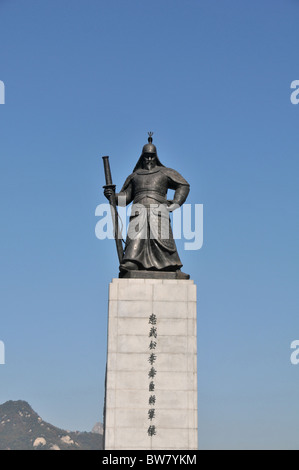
(150, 244)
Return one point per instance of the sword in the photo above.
(114, 213)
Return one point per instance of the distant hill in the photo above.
(98, 428)
(22, 429)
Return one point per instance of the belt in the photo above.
(152, 194)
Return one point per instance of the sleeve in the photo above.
(179, 184)
(125, 196)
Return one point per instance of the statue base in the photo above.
(153, 275)
(151, 375)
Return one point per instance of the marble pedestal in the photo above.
(151, 378)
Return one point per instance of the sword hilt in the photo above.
(108, 177)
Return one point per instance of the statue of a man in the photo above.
(150, 245)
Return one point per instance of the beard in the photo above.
(149, 165)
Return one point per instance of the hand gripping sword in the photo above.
(114, 213)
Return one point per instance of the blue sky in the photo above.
(212, 79)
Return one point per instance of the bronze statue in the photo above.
(150, 248)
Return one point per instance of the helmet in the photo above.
(150, 147)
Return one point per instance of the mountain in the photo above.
(98, 428)
(22, 429)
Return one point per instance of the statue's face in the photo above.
(149, 161)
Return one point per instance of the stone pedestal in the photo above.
(151, 380)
